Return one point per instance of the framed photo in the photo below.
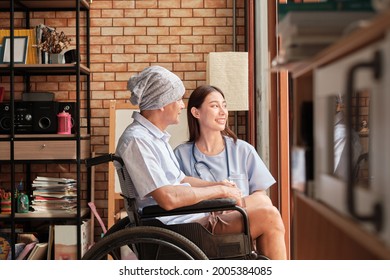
(20, 49)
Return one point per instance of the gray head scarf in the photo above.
(154, 88)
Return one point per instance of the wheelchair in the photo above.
(142, 236)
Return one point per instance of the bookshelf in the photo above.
(24, 152)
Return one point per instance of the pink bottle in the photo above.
(64, 123)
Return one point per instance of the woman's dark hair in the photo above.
(196, 100)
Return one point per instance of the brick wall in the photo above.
(127, 36)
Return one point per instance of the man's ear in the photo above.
(195, 112)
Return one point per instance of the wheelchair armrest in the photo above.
(203, 206)
(103, 159)
(212, 205)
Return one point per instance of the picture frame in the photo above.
(20, 49)
(1, 53)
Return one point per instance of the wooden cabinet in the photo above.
(19, 153)
(320, 233)
(327, 222)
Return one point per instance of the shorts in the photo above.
(222, 222)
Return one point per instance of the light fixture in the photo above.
(229, 72)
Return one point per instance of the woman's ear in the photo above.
(195, 112)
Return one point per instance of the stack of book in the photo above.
(303, 34)
(54, 194)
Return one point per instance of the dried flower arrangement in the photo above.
(52, 41)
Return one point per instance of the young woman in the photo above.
(214, 153)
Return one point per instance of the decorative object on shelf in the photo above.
(5, 198)
(23, 204)
(64, 123)
(54, 43)
(5, 246)
(20, 49)
(31, 56)
(71, 56)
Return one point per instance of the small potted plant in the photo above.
(54, 43)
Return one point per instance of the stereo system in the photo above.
(34, 117)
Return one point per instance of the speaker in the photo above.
(69, 107)
(44, 116)
(5, 118)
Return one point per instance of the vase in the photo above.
(56, 58)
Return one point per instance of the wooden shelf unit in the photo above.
(30, 149)
(320, 232)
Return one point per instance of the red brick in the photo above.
(123, 4)
(146, 22)
(101, 22)
(112, 31)
(192, 21)
(191, 57)
(157, 13)
(215, 21)
(204, 12)
(169, 21)
(100, 77)
(204, 48)
(123, 22)
(158, 49)
(111, 13)
(191, 39)
(145, 58)
(192, 4)
(146, 4)
(135, 30)
(133, 49)
(123, 58)
(168, 40)
(214, 39)
(122, 40)
(195, 76)
(115, 67)
(170, 3)
(204, 31)
(184, 66)
(135, 13)
(215, 4)
(168, 57)
(181, 13)
(145, 40)
(175, 30)
(150, 31)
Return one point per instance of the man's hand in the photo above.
(232, 191)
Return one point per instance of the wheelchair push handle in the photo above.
(103, 159)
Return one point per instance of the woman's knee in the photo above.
(271, 218)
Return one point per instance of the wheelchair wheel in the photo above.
(119, 225)
(144, 242)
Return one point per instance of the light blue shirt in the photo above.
(150, 162)
(242, 161)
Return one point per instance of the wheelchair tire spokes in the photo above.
(150, 243)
